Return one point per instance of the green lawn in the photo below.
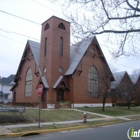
(57, 115)
(51, 115)
(114, 111)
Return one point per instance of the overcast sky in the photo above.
(14, 33)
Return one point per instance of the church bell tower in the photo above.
(55, 49)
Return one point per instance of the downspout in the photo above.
(72, 93)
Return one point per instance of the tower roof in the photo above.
(56, 18)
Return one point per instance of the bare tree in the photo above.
(130, 95)
(105, 79)
(119, 20)
(127, 89)
(136, 73)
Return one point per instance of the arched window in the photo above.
(61, 26)
(92, 50)
(60, 69)
(47, 27)
(61, 47)
(28, 83)
(93, 82)
(45, 48)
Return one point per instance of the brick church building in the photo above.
(67, 73)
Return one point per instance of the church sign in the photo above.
(12, 109)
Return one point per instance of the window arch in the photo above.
(61, 26)
(47, 27)
(92, 50)
(60, 69)
(28, 82)
(63, 84)
(61, 47)
(93, 81)
(45, 47)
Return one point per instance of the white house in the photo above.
(6, 84)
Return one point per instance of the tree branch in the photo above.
(136, 9)
(115, 31)
(118, 18)
(104, 9)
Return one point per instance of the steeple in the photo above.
(55, 48)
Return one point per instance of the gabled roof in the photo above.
(58, 81)
(118, 77)
(7, 80)
(76, 55)
(134, 78)
(35, 48)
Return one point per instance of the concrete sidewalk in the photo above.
(101, 115)
(51, 123)
(4, 130)
(67, 122)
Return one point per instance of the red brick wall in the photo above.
(125, 85)
(81, 81)
(52, 61)
(20, 89)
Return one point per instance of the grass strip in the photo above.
(113, 111)
(55, 115)
(56, 126)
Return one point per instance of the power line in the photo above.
(36, 38)
(38, 24)
(18, 34)
(46, 6)
(50, 44)
(67, 57)
(122, 65)
(29, 21)
(11, 39)
(19, 17)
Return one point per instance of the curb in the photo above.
(41, 131)
(35, 132)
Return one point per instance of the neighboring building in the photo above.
(6, 83)
(135, 78)
(121, 86)
(68, 73)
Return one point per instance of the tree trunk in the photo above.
(128, 104)
(103, 108)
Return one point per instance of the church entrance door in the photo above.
(60, 95)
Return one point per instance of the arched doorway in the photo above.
(60, 95)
